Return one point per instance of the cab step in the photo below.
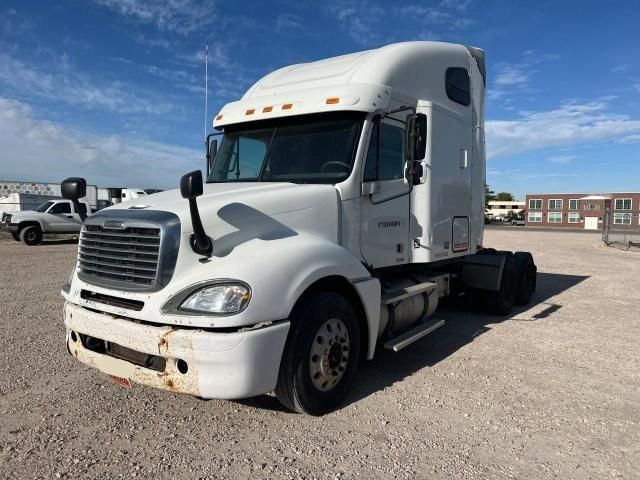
(416, 333)
(397, 295)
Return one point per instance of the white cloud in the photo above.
(631, 139)
(510, 75)
(36, 149)
(562, 159)
(360, 18)
(288, 21)
(569, 124)
(180, 16)
(516, 77)
(59, 81)
(620, 68)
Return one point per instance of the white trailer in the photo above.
(343, 199)
(16, 196)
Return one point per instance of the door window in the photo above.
(391, 162)
(60, 208)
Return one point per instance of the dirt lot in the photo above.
(552, 391)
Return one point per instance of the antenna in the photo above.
(206, 87)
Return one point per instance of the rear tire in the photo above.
(526, 271)
(321, 355)
(15, 236)
(499, 302)
(31, 235)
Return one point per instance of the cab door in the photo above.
(384, 204)
(60, 218)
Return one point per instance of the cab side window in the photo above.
(60, 208)
(391, 163)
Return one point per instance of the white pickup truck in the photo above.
(52, 217)
(344, 198)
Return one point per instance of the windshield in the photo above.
(44, 207)
(316, 148)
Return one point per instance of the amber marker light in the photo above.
(332, 100)
(267, 109)
(287, 106)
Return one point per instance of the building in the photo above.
(581, 210)
(500, 208)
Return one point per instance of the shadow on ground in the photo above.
(462, 327)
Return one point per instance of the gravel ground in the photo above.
(552, 391)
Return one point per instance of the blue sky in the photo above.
(113, 89)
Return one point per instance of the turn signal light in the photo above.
(267, 109)
(287, 106)
(219, 117)
(332, 100)
(250, 111)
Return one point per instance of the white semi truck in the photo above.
(344, 198)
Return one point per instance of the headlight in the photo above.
(230, 298)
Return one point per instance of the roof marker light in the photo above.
(287, 106)
(219, 117)
(267, 109)
(250, 111)
(332, 100)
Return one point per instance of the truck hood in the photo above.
(258, 210)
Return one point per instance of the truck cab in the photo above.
(341, 200)
(56, 216)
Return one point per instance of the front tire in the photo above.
(321, 355)
(15, 236)
(31, 235)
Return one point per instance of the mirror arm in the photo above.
(82, 214)
(200, 242)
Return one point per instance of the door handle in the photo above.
(464, 158)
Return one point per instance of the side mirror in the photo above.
(72, 189)
(190, 188)
(191, 185)
(415, 136)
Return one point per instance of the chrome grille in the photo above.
(133, 250)
(128, 255)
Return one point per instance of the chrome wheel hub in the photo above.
(329, 355)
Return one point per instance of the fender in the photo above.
(301, 261)
(28, 222)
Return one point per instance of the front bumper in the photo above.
(232, 365)
(10, 227)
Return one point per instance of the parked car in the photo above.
(53, 216)
(518, 222)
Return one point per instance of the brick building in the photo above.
(581, 210)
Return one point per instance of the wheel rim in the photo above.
(31, 236)
(329, 355)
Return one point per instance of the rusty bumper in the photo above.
(220, 365)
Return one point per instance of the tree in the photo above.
(511, 216)
(489, 196)
(505, 197)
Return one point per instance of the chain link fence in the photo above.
(621, 229)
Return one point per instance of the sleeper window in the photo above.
(391, 154)
(458, 86)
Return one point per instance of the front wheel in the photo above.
(321, 354)
(31, 235)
